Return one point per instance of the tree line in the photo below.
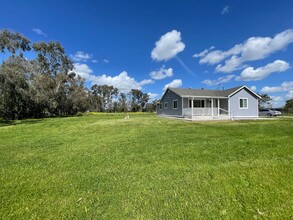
(47, 85)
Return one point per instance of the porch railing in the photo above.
(200, 111)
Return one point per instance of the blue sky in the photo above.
(151, 44)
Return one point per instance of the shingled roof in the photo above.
(208, 93)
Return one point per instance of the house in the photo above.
(239, 102)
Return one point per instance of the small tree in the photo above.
(289, 106)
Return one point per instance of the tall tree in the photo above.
(13, 42)
(138, 100)
(52, 58)
(14, 95)
(264, 102)
(104, 96)
(123, 102)
(53, 63)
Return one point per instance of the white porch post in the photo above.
(218, 107)
(182, 107)
(212, 107)
(191, 107)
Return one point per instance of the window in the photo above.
(175, 104)
(160, 106)
(243, 103)
(166, 105)
(197, 103)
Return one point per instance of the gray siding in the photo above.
(169, 97)
(251, 111)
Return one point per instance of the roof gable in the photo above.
(244, 87)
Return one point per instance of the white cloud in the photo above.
(268, 89)
(39, 32)
(201, 54)
(106, 61)
(290, 95)
(254, 48)
(218, 81)
(277, 101)
(83, 70)
(286, 86)
(153, 95)
(225, 10)
(174, 84)
(81, 56)
(94, 61)
(251, 74)
(146, 82)
(253, 88)
(162, 73)
(122, 81)
(168, 46)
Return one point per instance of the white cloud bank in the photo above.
(122, 81)
(168, 46)
(286, 86)
(254, 48)
(220, 80)
(174, 84)
(251, 74)
(162, 73)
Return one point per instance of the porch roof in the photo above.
(204, 93)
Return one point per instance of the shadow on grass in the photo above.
(4, 123)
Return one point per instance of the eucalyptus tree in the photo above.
(138, 100)
(14, 96)
(103, 97)
(13, 43)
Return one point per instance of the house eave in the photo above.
(214, 97)
(242, 87)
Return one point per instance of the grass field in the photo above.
(105, 167)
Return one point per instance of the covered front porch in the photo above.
(213, 108)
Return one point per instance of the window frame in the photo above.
(243, 106)
(175, 100)
(201, 101)
(165, 105)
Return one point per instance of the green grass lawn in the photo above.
(105, 167)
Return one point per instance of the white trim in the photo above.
(202, 97)
(212, 105)
(182, 107)
(165, 105)
(175, 100)
(191, 107)
(218, 107)
(229, 110)
(243, 103)
(247, 89)
(245, 116)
